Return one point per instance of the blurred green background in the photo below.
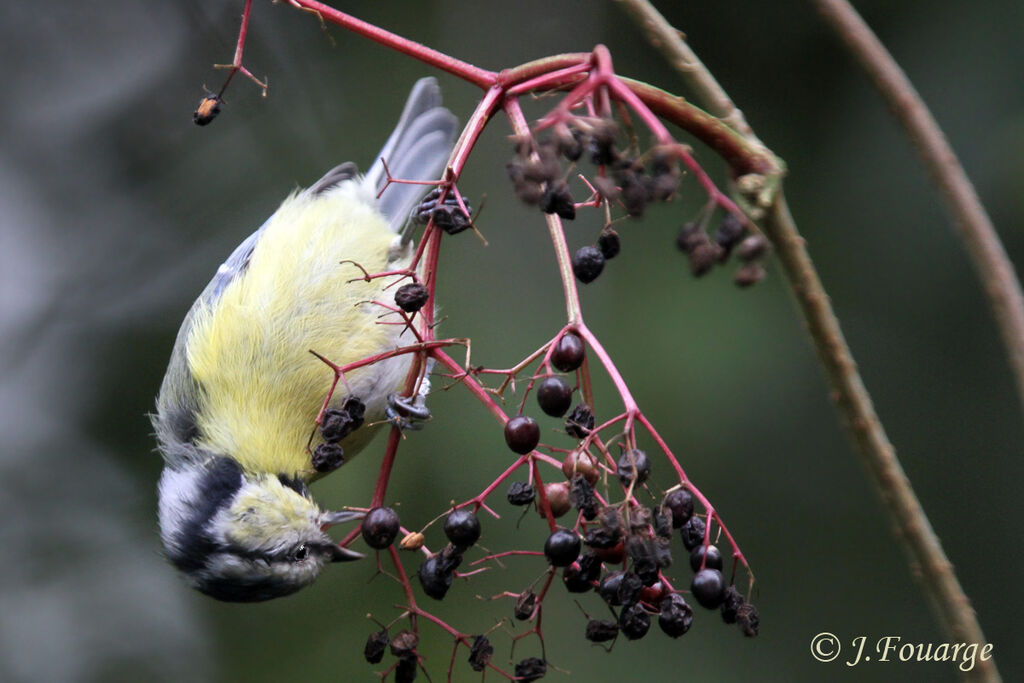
(115, 210)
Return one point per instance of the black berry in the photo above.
(522, 434)
(633, 465)
(676, 616)
(713, 560)
(751, 248)
(680, 503)
(609, 244)
(562, 547)
(749, 274)
(554, 395)
(450, 218)
(337, 424)
(708, 587)
(634, 622)
(480, 653)
(601, 630)
(521, 493)
(376, 644)
(411, 297)
(558, 200)
(620, 588)
(729, 233)
(380, 527)
(531, 669)
(693, 532)
(404, 643)
(661, 522)
(462, 528)
(580, 421)
(582, 497)
(406, 670)
(436, 574)
(328, 457)
(587, 264)
(731, 603)
(568, 352)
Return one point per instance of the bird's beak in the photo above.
(339, 554)
(329, 519)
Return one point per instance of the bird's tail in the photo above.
(416, 150)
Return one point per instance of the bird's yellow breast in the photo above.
(249, 350)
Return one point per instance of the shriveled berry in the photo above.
(450, 218)
(690, 235)
(557, 495)
(582, 497)
(680, 503)
(580, 421)
(602, 538)
(568, 352)
(521, 493)
(207, 111)
(731, 603)
(562, 547)
(570, 143)
(558, 200)
(436, 574)
(407, 668)
(633, 193)
(525, 604)
(675, 617)
(749, 274)
(522, 434)
(480, 653)
(328, 457)
(380, 527)
(356, 410)
(703, 257)
(711, 557)
(411, 297)
(337, 424)
(376, 644)
(729, 233)
(404, 643)
(587, 264)
(606, 187)
(554, 395)
(748, 620)
(531, 669)
(634, 622)
(581, 462)
(609, 243)
(601, 630)
(661, 522)
(751, 248)
(412, 541)
(693, 532)
(633, 465)
(708, 587)
(620, 588)
(462, 528)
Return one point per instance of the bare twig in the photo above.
(928, 559)
(994, 268)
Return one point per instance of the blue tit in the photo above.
(242, 391)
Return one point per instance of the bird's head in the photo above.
(243, 537)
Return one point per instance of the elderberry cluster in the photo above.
(730, 236)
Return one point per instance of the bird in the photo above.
(242, 391)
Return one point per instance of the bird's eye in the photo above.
(301, 553)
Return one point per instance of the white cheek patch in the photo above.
(177, 490)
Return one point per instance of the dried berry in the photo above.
(436, 574)
(634, 622)
(531, 669)
(601, 630)
(406, 670)
(522, 434)
(748, 620)
(558, 200)
(525, 604)
(380, 527)
(521, 493)
(404, 643)
(633, 465)
(337, 424)
(633, 192)
(587, 264)
(207, 111)
(562, 547)
(703, 257)
(581, 462)
(450, 218)
(661, 522)
(328, 457)
(731, 603)
(412, 541)
(480, 653)
(558, 498)
(601, 145)
(602, 538)
(580, 421)
(680, 504)
(751, 248)
(713, 559)
(582, 497)
(411, 297)
(376, 644)
(675, 617)
(749, 274)
(690, 235)
(729, 233)
(568, 353)
(708, 587)
(693, 532)
(554, 395)
(462, 528)
(620, 588)
(606, 187)
(570, 143)
(609, 244)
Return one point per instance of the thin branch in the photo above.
(914, 530)
(996, 272)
